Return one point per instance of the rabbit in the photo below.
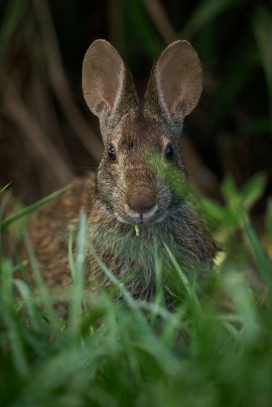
(129, 204)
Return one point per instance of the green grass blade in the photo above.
(44, 294)
(129, 299)
(149, 343)
(190, 290)
(4, 223)
(5, 187)
(159, 299)
(77, 291)
(27, 297)
(70, 254)
(14, 335)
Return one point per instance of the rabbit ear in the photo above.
(107, 84)
(175, 83)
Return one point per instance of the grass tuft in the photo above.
(213, 349)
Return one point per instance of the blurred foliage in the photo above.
(213, 349)
(227, 220)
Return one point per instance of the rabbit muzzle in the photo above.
(141, 197)
(141, 203)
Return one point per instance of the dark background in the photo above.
(47, 134)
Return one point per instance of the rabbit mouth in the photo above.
(148, 216)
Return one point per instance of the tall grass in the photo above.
(214, 349)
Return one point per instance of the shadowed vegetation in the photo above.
(213, 349)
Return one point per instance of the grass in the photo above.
(214, 349)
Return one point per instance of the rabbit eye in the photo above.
(111, 153)
(169, 151)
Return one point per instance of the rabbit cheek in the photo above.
(107, 191)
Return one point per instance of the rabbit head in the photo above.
(127, 186)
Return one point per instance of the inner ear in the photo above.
(102, 74)
(110, 78)
(176, 79)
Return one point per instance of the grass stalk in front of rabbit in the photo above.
(137, 229)
(111, 349)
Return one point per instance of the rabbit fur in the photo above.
(126, 189)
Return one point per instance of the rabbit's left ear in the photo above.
(107, 84)
(175, 83)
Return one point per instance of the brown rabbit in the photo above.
(127, 189)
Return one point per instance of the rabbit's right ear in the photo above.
(175, 84)
(107, 84)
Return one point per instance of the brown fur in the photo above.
(130, 189)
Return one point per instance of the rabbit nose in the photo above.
(141, 200)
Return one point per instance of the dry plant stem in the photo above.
(47, 115)
(159, 18)
(60, 83)
(17, 111)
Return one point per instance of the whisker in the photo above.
(123, 192)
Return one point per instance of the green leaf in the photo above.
(229, 188)
(253, 189)
(213, 209)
